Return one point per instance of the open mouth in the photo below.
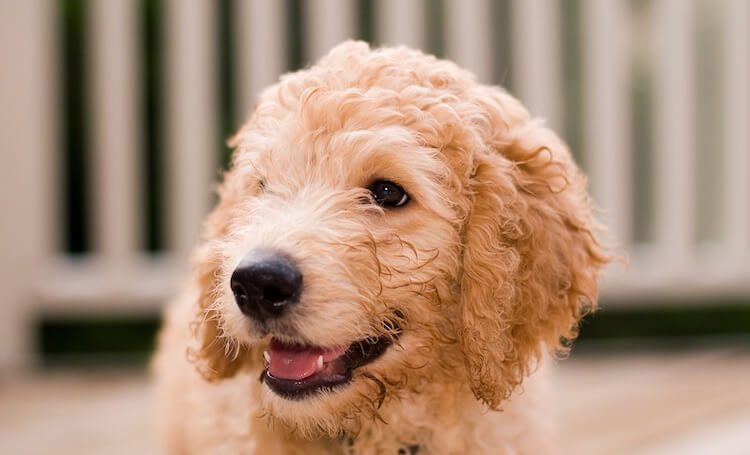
(295, 371)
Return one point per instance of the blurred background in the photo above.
(113, 119)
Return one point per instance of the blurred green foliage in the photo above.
(668, 320)
(74, 126)
(130, 340)
(152, 155)
(96, 341)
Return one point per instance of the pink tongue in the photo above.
(297, 362)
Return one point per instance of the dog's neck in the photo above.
(414, 424)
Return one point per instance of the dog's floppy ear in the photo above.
(214, 358)
(530, 261)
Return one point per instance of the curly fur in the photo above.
(488, 268)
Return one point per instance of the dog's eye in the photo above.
(388, 194)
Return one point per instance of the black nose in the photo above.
(265, 284)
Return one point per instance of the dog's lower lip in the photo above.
(298, 389)
(357, 355)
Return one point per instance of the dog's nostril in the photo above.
(275, 294)
(265, 283)
(239, 292)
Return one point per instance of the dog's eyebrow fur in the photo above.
(355, 158)
(417, 169)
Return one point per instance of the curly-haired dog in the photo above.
(395, 250)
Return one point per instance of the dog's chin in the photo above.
(328, 410)
(298, 371)
(315, 390)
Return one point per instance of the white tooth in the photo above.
(320, 362)
(267, 356)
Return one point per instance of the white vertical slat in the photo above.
(261, 48)
(469, 41)
(401, 23)
(674, 120)
(192, 112)
(537, 59)
(606, 70)
(114, 27)
(28, 165)
(736, 86)
(329, 22)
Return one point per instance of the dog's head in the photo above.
(389, 224)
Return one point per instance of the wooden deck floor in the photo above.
(679, 403)
(666, 403)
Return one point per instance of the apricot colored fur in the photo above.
(491, 265)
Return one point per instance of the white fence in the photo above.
(117, 277)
